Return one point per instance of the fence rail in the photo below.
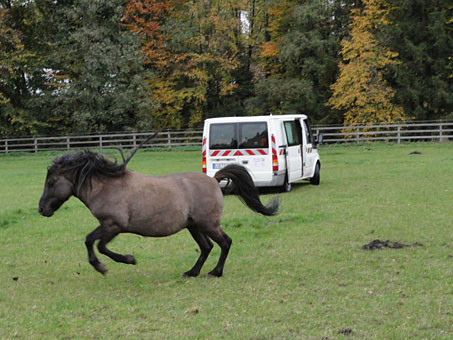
(396, 133)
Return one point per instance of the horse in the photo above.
(125, 201)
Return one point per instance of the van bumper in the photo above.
(278, 178)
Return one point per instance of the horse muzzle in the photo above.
(45, 212)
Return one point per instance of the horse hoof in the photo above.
(130, 259)
(189, 274)
(213, 276)
(101, 268)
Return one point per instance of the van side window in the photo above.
(308, 132)
(293, 132)
(223, 136)
(253, 135)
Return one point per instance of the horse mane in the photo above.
(85, 165)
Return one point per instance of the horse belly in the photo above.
(158, 223)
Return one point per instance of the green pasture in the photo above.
(299, 275)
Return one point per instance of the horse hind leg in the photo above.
(205, 248)
(224, 241)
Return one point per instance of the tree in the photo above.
(22, 53)
(423, 38)
(361, 91)
(192, 56)
(98, 74)
(298, 59)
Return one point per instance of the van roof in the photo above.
(252, 118)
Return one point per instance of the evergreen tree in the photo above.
(99, 77)
(423, 38)
(299, 60)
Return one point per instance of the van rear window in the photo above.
(253, 135)
(249, 135)
(223, 136)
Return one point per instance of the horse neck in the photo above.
(90, 187)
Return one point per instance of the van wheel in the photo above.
(286, 187)
(316, 177)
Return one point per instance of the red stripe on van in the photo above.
(236, 152)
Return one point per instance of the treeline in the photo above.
(72, 66)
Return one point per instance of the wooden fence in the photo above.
(409, 132)
(396, 133)
(167, 139)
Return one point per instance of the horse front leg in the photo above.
(96, 234)
(102, 247)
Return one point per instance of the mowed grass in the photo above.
(299, 275)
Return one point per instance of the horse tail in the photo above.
(246, 189)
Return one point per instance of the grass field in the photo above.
(300, 275)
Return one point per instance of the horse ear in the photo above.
(120, 149)
(129, 157)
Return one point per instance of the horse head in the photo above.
(58, 187)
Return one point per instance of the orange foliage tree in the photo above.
(360, 90)
(192, 50)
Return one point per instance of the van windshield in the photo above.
(248, 135)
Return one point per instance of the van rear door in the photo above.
(253, 150)
(294, 150)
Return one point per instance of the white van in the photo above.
(277, 150)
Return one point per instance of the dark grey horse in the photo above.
(124, 201)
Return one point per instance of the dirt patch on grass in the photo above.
(378, 244)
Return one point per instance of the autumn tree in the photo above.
(192, 52)
(23, 54)
(360, 90)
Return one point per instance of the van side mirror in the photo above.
(319, 139)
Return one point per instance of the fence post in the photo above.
(399, 135)
(134, 140)
(6, 146)
(36, 144)
(68, 143)
(357, 135)
(440, 133)
(169, 139)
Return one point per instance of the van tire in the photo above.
(316, 176)
(286, 187)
